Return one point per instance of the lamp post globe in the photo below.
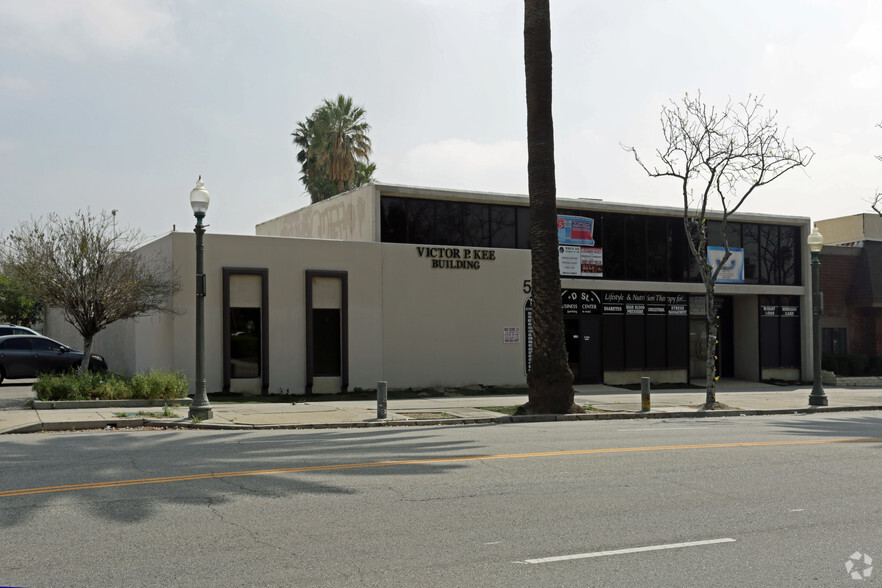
(199, 199)
(201, 407)
(815, 243)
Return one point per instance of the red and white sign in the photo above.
(511, 334)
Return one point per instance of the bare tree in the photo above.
(88, 270)
(550, 381)
(719, 157)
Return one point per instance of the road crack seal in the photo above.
(212, 507)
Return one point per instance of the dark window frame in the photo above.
(263, 273)
(343, 276)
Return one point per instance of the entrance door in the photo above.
(584, 353)
(724, 353)
(590, 350)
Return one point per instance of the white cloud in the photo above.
(22, 87)
(75, 29)
(460, 163)
(7, 145)
(866, 78)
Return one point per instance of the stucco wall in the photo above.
(287, 261)
(851, 229)
(349, 216)
(444, 326)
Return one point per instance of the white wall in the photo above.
(350, 216)
(445, 326)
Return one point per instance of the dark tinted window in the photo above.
(523, 228)
(733, 233)
(244, 342)
(678, 342)
(657, 248)
(448, 216)
(502, 227)
(393, 225)
(679, 250)
(635, 246)
(656, 357)
(789, 255)
(15, 343)
(326, 342)
(476, 225)
(750, 243)
(421, 221)
(40, 344)
(790, 332)
(769, 257)
(613, 246)
(613, 342)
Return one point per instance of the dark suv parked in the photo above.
(25, 356)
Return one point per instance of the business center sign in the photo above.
(577, 255)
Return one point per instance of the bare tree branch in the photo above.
(87, 269)
(720, 157)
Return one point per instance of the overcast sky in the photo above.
(120, 104)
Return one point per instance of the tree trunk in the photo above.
(711, 345)
(87, 353)
(550, 380)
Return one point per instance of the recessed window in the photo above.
(244, 342)
(326, 342)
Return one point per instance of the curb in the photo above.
(60, 404)
(134, 422)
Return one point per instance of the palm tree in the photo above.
(334, 148)
(550, 381)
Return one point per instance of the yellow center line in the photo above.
(376, 464)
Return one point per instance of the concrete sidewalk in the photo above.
(604, 402)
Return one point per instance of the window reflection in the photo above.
(635, 247)
(244, 342)
(502, 227)
(448, 216)
(476, 225)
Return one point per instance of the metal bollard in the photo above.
(381, 400)
(644, 393)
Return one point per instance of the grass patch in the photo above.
(509, 410)
(167, 413)
(427, 415)
(106, 386)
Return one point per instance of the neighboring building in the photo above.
(851, 283)
(423, 287)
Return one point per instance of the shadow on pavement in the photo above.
(119, 456)
(848, 426)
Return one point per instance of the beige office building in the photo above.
(422, 287)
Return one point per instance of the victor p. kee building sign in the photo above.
(456, 257)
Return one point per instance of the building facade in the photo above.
(422, 287)
(851, 283)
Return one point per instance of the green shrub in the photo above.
(158, 384)
(107, 386)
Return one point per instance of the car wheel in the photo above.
(2, 375)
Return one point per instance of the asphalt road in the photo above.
(750, 501)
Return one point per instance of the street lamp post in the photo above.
(200, 408)
(815, 243)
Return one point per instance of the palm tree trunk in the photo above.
(550, 380)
